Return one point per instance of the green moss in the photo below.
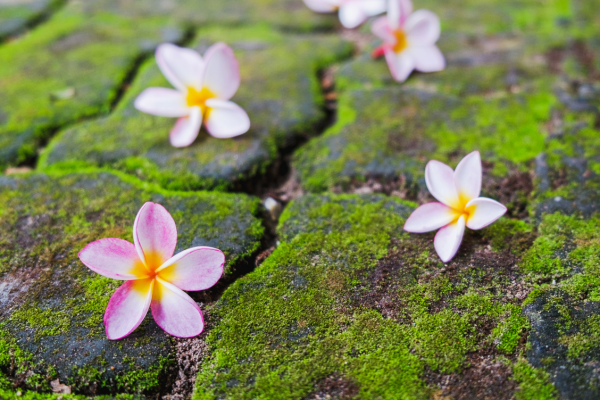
(281, 94)
(534, 383)
(16, 17)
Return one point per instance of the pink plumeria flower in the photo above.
(460, 205)
(409, 40)
(154, 277)
(352, 13)
(203, 89)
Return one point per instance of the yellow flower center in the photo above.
(197, 98)
(401, 42)
(148, 269)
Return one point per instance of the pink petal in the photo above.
(322, 6)
(113, 258)
(182, 67)
(440, 181)
(422, 28)
(198, 268)
(429, 217)
(398, 12)
(428, 59)
(127, 308)
(186, 129)
(162, 102)
(400, 64)
(448, 239)
(381, 28)
(352, 15)
(222, 72)
(467, 177)
(175, 311)
(483, 212)
(225, 119)
(154, 235)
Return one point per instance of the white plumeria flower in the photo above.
(352, 13)
(459, 206)
(409, 40)
(202, 90)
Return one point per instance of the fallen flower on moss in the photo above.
(154, 277)
(460, 205)
(352, 13)
(409, 40)
(203, 89)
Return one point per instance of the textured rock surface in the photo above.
(280, 92)
(52, 305)
(15, 16)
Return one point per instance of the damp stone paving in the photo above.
(331, 299)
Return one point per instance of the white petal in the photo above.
(467, 177)
(222, 71)
(429, 217)
(182, 67)
(352, 15)
(483, 212)
(400, 64)
(186, 129)
(398, 12)
(225, 119)
(428, 58)
(322, 6)
(162, 102)
(440, 181)
(381, 28)
(373, 7)
(422, 28)
(448, 239)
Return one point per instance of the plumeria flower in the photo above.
(459, 206)
(409, 40)
(203, 89)
(154, 278)
(352, 13)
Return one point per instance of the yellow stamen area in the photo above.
(197, 98)
(401, 42)
(148, 269)
(461, 209)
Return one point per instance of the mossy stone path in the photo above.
(335, 300)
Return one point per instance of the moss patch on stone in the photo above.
(281, 94)
(348, 294)
(16, 17)
(52, 305)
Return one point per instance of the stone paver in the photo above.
(51, 305)
(17, 15)
(279, 90)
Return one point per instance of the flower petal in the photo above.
(225, 119)
(176, 312)
(428, 58)
(483, 212)
(373, 7)
(381, 28)
(154, 235)
(429, 217)
(198, 268)
(467, 177)
(113, 258)
(127, 308)
(440, 181)
(186, 129)
(398, 12)
(322, 6)
(448, 239)
(162, 102)
(182, 67)
(222, 72)
(352, 15)
(400, 64)
(422, 28)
